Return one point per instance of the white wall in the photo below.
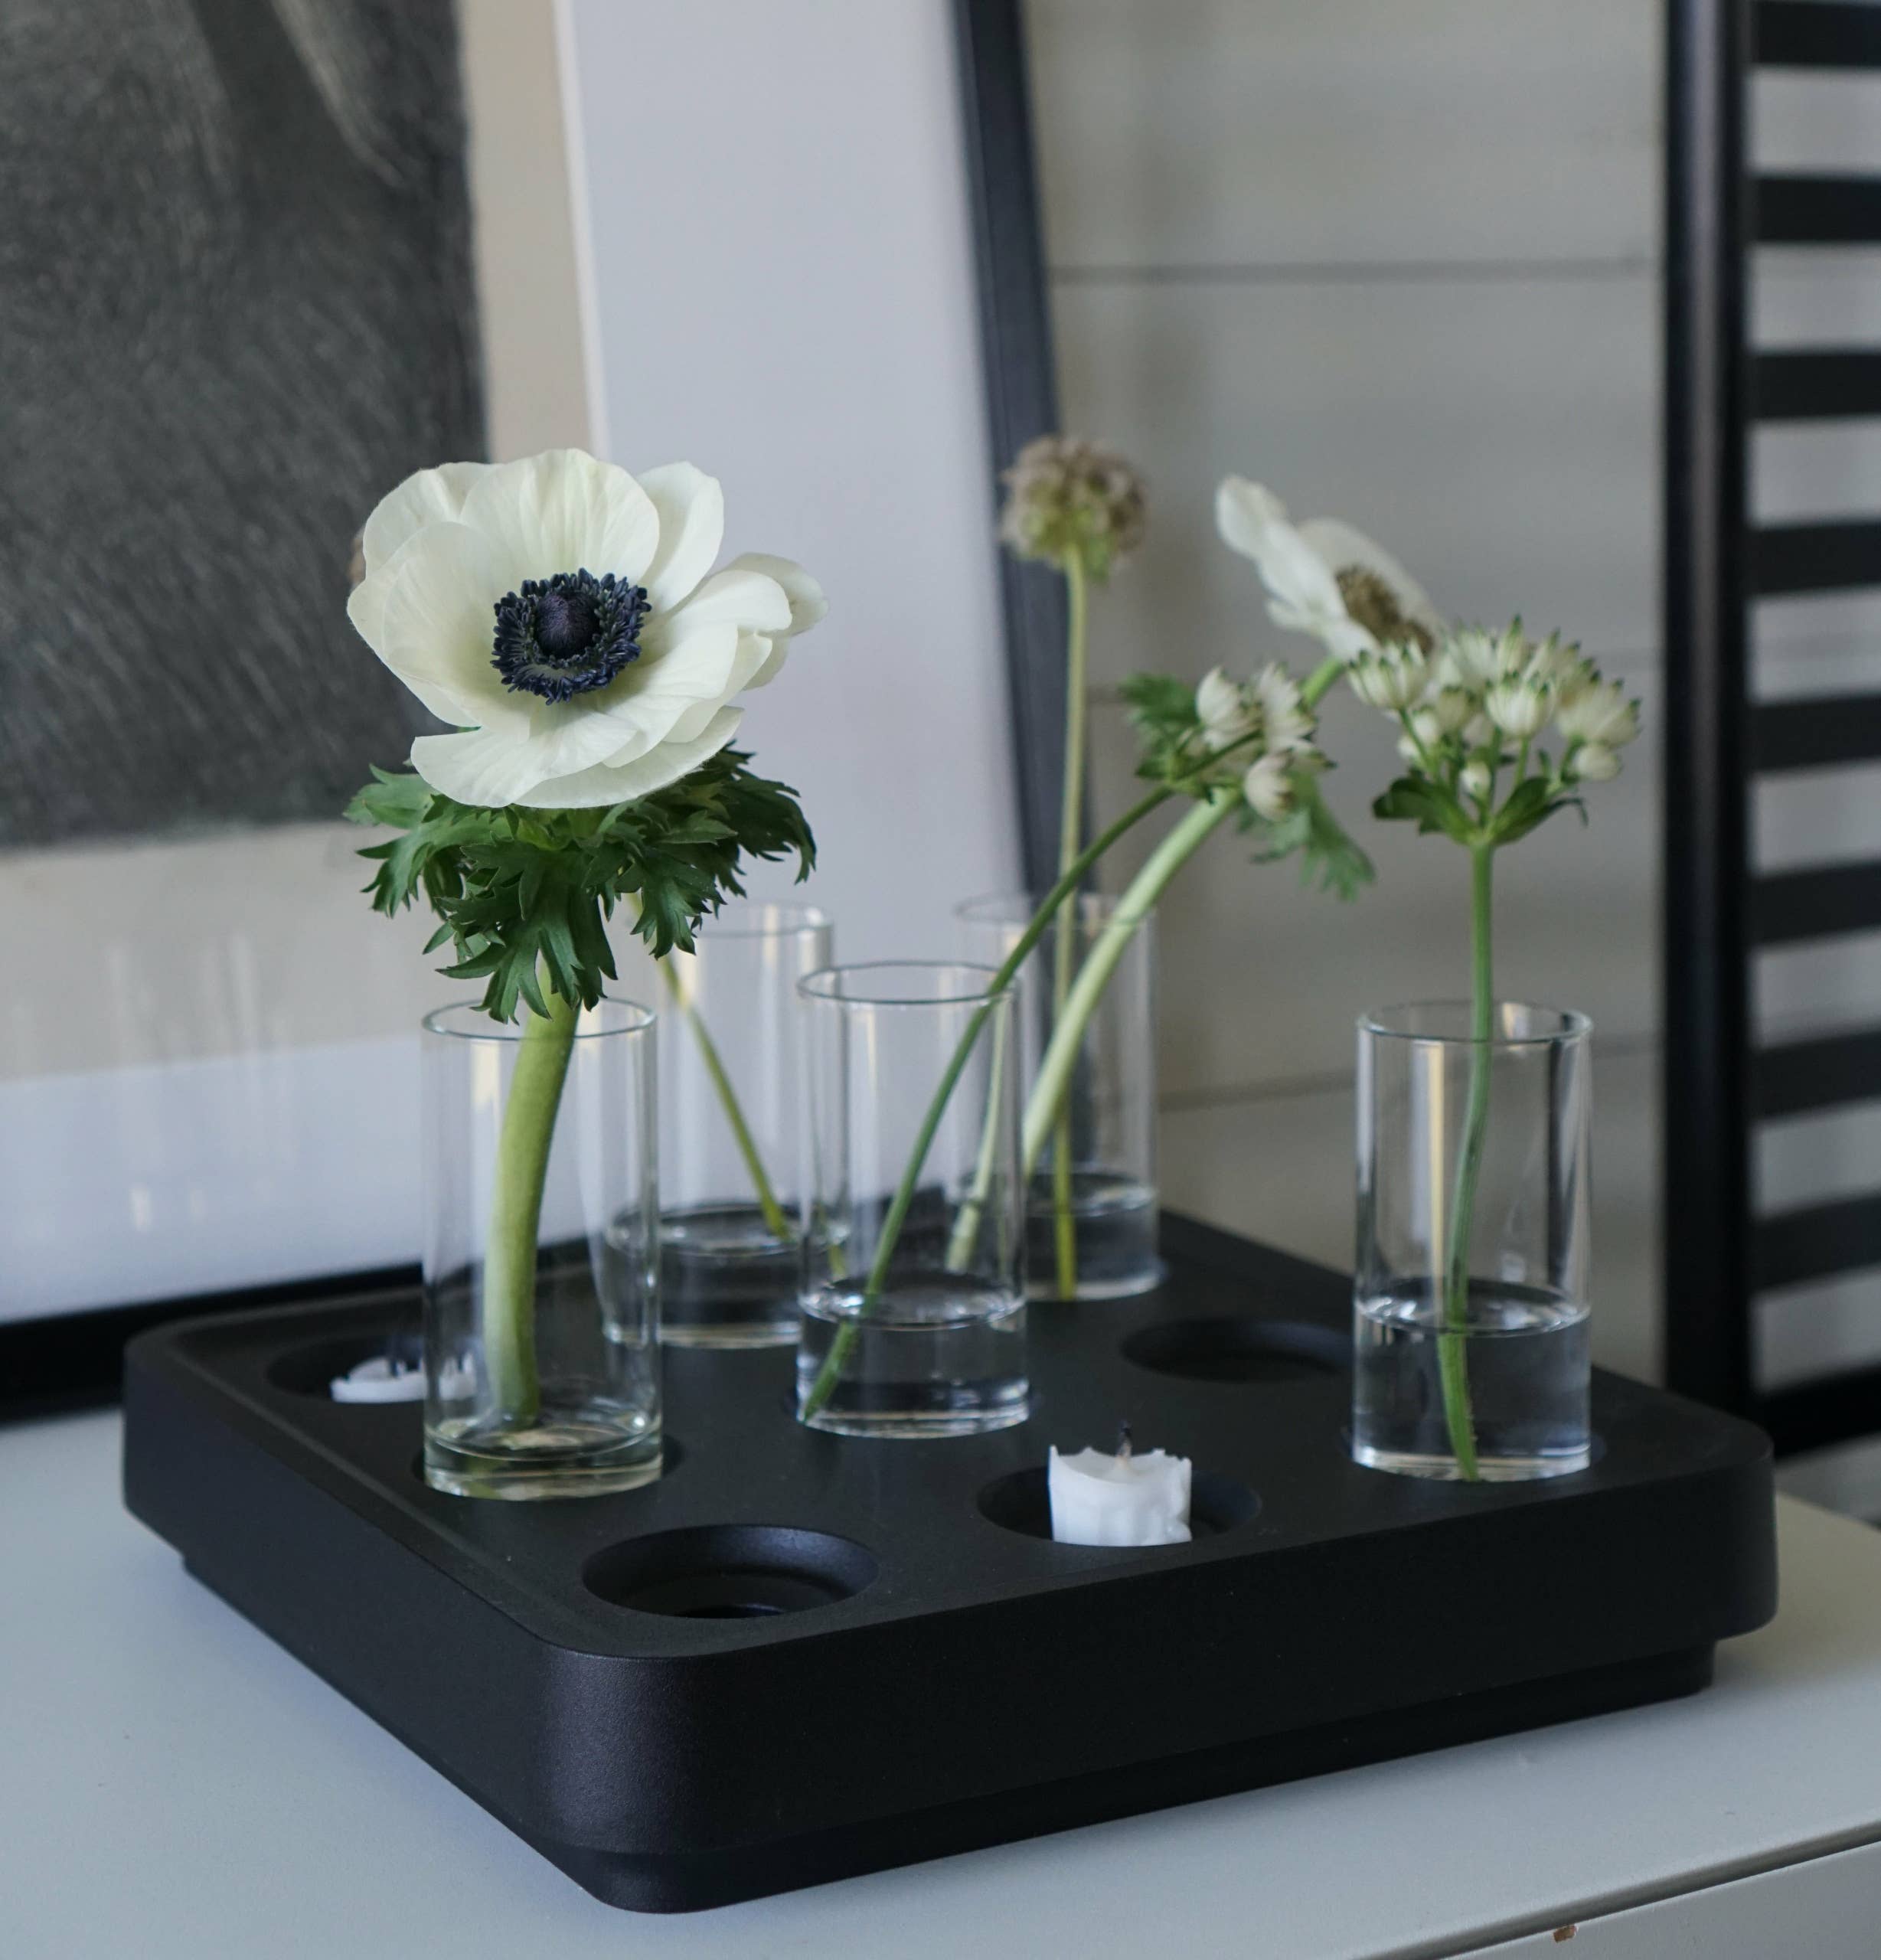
(783, 284)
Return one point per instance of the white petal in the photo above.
(428, 496)
(563, 511)
(754, 658)
(808, 605)
(428, 615)
(596, 787)
(691, 509)
(1340, 545)
(752, 602)
(488, 767)
(1252, 520)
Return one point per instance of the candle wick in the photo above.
(1123, 1443)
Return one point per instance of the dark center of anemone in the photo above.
(562, 636)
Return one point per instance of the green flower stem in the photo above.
(1064, 945)
(522, 1166)
(844, 1344)
(1039, 1112)
(775, 1221)
(1453, 1336)
(1050, 1093)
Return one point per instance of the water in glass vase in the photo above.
(1525, 1353)
(934, 1355)
(727, 1279)
(1116, 1221)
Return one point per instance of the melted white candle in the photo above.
(1135, 1498)
(376, 1380)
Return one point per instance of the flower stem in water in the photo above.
(1453, 1335)
(522, 1165)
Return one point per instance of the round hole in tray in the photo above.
(1022, 1502)
(310, 1370)
(730, 1572)
(1239, 1349)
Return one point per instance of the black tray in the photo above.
(627, 1681)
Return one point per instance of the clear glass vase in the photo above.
(1471, 1306)
(1091, 1209)
(541, 1273)
(913, 1305)
(732, 1110)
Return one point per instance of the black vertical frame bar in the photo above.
(1022, 393)
(1706, 969)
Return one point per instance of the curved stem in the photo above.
(774, 1222)
(1050, 1090)
(508, 1305)
(841, 1347)
(1453, 1336)
(1064, 944)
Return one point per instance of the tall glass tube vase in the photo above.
(913, 1305)
(1090, 1207)
(1470, 1294)
(541, 1272)
(732, 1115)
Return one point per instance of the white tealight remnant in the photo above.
(1130, 1498)
(378, 1381)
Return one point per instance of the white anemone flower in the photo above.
(1323, 577)
(564, 617)
(1599, 713)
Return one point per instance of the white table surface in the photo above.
(172, 1784)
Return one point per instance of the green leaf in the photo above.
(520, 891)
(1416, 799)
(1531, 803)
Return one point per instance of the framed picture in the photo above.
(386, 232)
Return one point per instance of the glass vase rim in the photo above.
(1564, 1026)
(626, 1017)
(822, 985)
(1096, 908)
(726, 925)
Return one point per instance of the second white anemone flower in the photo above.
(1267, 785)
(1598, 713)
(1324, 577)
(564, 616)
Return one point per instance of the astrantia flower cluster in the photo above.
(1480, 703)
(1247, 748)
(1474, 709)
(1073, 503)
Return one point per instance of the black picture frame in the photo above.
(1021, 392)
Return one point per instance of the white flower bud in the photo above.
(1221, 705)
(1286, 722)
(1599, 713)
(1408, 751)
(1426, 727)
(1519, 708)
(1392, 679)
(1451, 710)
(1268, 788)
(1593, 762)
(1475, 779)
